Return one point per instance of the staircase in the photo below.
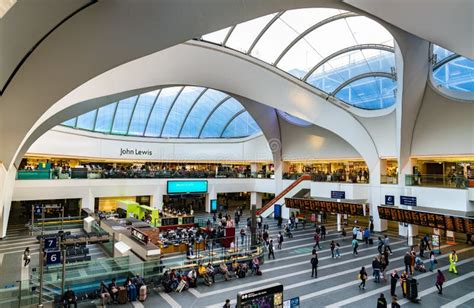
(300, 186)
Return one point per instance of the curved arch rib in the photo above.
(212, 112)
(190, 109)
(362, 76)
(228, 34)
(262, 32)
(345, 50)
(445, 60)
(169, 110)
(131, 115)
(230, 121)
(311, 29)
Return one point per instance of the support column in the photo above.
(7, 182)
(375, 197)
(256, 198)
(210, 196)
(278, 177)
(157, 199)
(339, 222)
(253, 168)
(88, 201)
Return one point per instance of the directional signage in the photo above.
(292, 303)
(406, 200)
(389, 200)
(50, 243)
(53, 257)
(336, 194)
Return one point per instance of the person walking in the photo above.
(333, 247)
(440, 279)
(403, 283)
(27, 256)
(380, 245)
(279, 222)
(386, 242)
(381, 301)
(406, 261)
(314, 265)
(393, 282)
(453, 259)
(433, 260)
(362, 277)
(412, 261)
(317, 238)
(366, 236)
(395, 303)
(323, 232)
(338, 254)
(422, 249)
(355, 244)
(242, 236)
(271, 251)
(376, 269)
(226, 304)
(280, 240)
(469, 238)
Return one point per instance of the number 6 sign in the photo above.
(53, 257)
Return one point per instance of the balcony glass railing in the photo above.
(386, 179)
(331, 177)
(435, 180)
(135, 174)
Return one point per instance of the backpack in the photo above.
(314, 261)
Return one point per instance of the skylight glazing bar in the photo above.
(113, 117)
(228, 35)
(311, 29)
(151, 111)
(230, 121)
(131, 116)
(169, 110)
(190, 109)
(262, 32)
(345, 50)
(211, 113)
(362, 76)
(445, 60)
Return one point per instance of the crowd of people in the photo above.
(357, 175)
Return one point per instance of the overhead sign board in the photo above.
(407, 200)
(53, 257)
(389, 200)
(336, 194)
(187, 187)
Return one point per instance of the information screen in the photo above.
(188, 220)
(326, 206)
(451, 223)
(169, 221)
(268, 297)
(187, 187)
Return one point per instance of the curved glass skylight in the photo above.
(175, 112)
(324, 47)
(452, 71)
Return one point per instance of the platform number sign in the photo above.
(53, 257)
(50, 243)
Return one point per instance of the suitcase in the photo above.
(371, 241)
(122, 295)
(142, 293)
(412, 289)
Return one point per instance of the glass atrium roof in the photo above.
(452, 71)
(175, 112)
(346, 55)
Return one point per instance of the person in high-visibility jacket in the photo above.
(453, 259)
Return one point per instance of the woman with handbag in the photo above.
(362, 277)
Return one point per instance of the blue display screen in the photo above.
(186, 187)
(213, 206)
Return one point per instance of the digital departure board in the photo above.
(326, 206)
(170, 221)
(433, 220)
(188, 220)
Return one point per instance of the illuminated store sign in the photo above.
(135, 152)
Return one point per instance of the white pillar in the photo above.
(88, 201)
(412, 232)
(375, 197)
(210, 196)
(339, 220)
(278, 177)
(253, 167)
(256, 198)
(157, 198)
(7, 182)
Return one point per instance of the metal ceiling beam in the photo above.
(230, 121)
(212, 112)
(311, 29)
(151, 111)
(445, 60)
(190, 109)
(113, 117)
(169, 110)
(262, 32)
(226, 38)
(345, 50)
(362, 76)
